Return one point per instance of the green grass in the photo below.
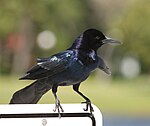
(111, 96)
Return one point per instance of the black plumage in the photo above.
(70, 67)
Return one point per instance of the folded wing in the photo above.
(47, 67)
(103, 66)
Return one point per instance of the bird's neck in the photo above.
(78, 43)
(87, 57)
(87, 53)
(82, 44)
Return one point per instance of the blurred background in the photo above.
(40, 28)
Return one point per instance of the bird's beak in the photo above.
(110, 40)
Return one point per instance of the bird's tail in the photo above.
(30, 94)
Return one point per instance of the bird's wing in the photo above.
(103, 66)
(49, 66)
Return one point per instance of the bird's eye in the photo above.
(97, 37)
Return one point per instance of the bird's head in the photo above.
(92, 39)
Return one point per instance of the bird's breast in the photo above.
(75, 73)
(78, 71)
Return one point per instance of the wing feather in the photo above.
(47, 67)
(103, 66)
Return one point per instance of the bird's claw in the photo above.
(58, 107)
(88, 105)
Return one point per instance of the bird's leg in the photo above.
(88, 105)
(88, 102)
(58, 106)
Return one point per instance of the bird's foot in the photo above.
(58, 107)
(88, 105)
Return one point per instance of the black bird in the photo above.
(70, 67)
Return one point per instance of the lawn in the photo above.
(110, 95)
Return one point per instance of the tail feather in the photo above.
(30, 94)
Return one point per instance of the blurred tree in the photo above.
(22, 20)
(133, 27)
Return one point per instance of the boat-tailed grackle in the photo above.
(70, 67)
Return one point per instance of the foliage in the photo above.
(48, 14)
(27, 19)
(133, 27)
(67, 19)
